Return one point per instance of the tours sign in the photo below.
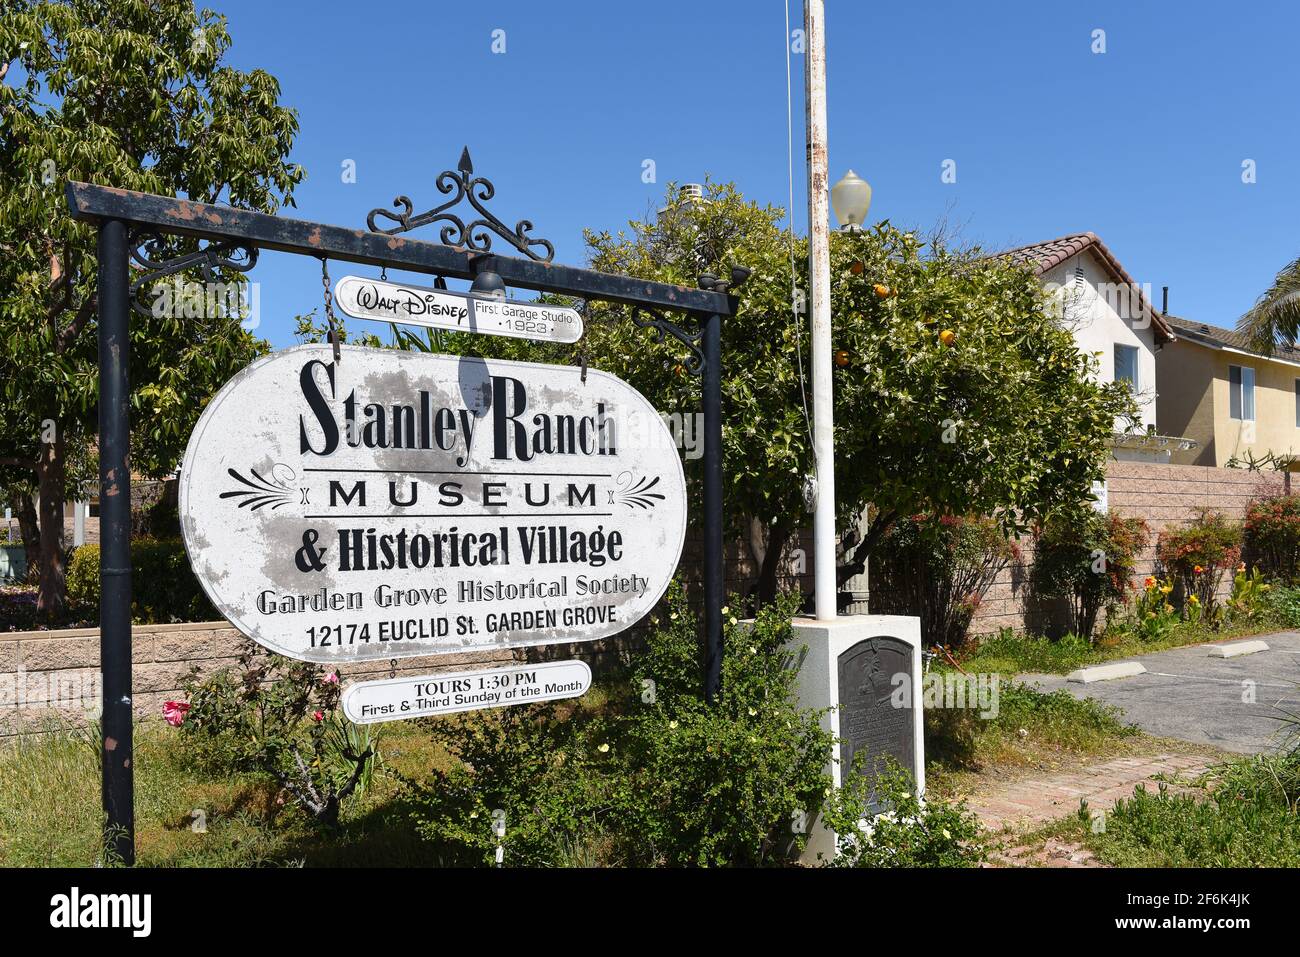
(397, 503)
(459, 312)
(428, 695)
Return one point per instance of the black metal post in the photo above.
(714, 585)
(115, 540)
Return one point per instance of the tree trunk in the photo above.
(777, 537)
(30, 528)
(52, 590)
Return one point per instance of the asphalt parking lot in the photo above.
(1231, 703)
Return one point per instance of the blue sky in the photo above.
(1143, 144)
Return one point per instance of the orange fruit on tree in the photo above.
(856, 267)
(947, 337)
(841, 358)
(882, 290)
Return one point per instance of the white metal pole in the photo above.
(819, 280)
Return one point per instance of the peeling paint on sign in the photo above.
(400, 503)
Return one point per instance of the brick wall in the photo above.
(53, 676)
(1161, 495)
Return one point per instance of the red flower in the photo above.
(174, 712)
(318, 715)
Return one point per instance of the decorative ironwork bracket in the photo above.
(152, 253)
(474, 235)
(662, 327)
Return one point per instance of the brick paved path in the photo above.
(1033, 801)
(1037, 800)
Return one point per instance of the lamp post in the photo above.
(851, 200)
(825, 589)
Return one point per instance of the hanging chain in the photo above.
(329, 308)
(585, 312)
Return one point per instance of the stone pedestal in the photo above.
(860, 666)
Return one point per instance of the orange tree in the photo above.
(955, 392)
(131, 94)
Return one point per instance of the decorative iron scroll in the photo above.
(664, 327)
(152, 253)
(463, 185)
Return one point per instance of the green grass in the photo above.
(1242, 814)
(50, 808)
(1009, 653)
(1030, 728)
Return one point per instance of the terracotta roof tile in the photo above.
(1219, 336)
(1044, 256)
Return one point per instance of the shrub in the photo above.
(1087, 557)
(940, 568)
(281, 718)
(1248, 599)
(1271, 537)
(656, 776)
(908, 833)
(1245, 823)
(1199, 554)
(1283, 603)
(1153, 614)
(163, 587)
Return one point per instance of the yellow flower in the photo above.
(1194, 600)
(1166, 589)
(1169, 609)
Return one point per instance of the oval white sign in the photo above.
(400, 503)
(396, 698)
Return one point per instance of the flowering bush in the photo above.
(1088, 557)
(1248, 591)
(1153, 614)
(281, 718)
(1199, 554)
(656, 776)
(1271, 537)
(909, 833)
(939, 568)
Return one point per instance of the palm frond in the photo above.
(1275, 318)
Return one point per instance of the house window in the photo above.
(1126, 366)
(1241, 393)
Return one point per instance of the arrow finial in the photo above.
(465, 166)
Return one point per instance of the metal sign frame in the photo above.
(133, 226)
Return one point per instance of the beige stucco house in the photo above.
(1237, 404)
(1111, 316)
